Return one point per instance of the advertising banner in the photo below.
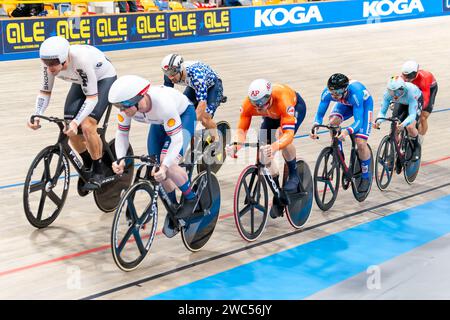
(182, 24)
(446, 5)
(147, 27)
(213, 22)
(20, 38)
(110, 29)
(24, 35)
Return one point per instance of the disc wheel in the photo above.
(108, 196)
(198, 230)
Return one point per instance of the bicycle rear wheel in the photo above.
(134, 226)
(299, 210)
(327, 176)
(411, 168)
(199, 228)
(384, 165)
(251, 202)
(48, 177)
(218, 159)
(108, 196)
(357, 177)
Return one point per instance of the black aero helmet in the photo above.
(337, 81)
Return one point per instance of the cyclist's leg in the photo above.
(423, 125)
(215, 95)
(339, 114)
(74, 100)
(289, 153)
(177, 174)
(361, 141)
(267, 135)
(89, 126)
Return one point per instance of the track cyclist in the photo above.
(92, 75)
(172, 119)
(203, 87)
(352, 100)
(283, 111)
(408, 100)
(427, 84)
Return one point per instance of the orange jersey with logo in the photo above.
(282, 107)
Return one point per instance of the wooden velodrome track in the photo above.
(71, 259)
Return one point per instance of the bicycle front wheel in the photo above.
(134, 226)
(326, 179)
(384, 165)
(48, 177)
(251, 201)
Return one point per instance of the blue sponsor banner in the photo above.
(446, 5)
(21, 38)
(213, 22)
(110, 29)
(24, 35)
(147, 27)
(182, 24)
(325, 14)
(1, 38)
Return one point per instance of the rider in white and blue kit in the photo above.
(352, 100)
(203, 87)
(408, 101)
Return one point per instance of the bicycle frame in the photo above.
(68, 151)
(347, 170)
(171, 207)
(395, 137)
(263, 170)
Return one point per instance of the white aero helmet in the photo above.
(410, 70)
(259, 92)
(396, 87)
(54, 50)
(172, 64)
(127, 91)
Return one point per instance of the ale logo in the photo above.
(281, 16)
(388, 7)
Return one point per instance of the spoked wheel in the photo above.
(251, 200)
(216, 160)
(384, 165)
(198, 229)
(108, 196)
(48, 177)
(134, 226)
(411, 168)
(299, 209)
(326, 179)
(357, 177)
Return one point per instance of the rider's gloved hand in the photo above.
(343, 134)
(118, 168)
(231, 150)
(266, 154)
(35, 125)
(376, 125)
(161, 174)
(313, 134)
(72, 130)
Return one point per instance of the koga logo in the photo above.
(281, 16)
(387, 7)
